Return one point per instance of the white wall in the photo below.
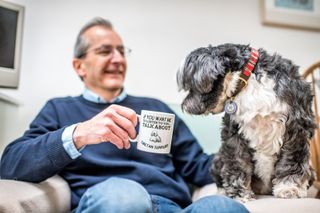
(160, 32)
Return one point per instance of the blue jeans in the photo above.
(118, 195)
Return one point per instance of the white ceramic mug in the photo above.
(155, 132)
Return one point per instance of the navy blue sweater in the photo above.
(39, 153)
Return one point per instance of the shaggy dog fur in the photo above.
(265, 146)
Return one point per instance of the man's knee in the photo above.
(219, 204)
(121, 195)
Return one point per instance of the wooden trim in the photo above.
(315, 142)
(311, 69)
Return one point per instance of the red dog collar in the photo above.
(248, 69)
(230, 106)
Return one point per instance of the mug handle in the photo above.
(136, 138)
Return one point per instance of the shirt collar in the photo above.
(93, 97)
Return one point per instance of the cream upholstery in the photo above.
(267, 204)
(53, 195)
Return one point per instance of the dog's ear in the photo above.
(233, 56)
(199, 70)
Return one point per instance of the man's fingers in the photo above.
(114, 139)
(119, 133)
(127, 113)
(125, 118)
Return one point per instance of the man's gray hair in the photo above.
(82, 45)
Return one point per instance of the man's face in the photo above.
(103, 67)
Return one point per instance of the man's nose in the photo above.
(117, 56)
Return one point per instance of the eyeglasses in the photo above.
(108, 51)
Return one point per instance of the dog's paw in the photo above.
(245, 197)
(289, 191)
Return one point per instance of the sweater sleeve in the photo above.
(189, 159)
(39, 153)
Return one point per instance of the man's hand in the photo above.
(115, 124)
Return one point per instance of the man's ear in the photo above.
(78, 66)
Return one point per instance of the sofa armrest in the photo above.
(51, 195)
(266, 204)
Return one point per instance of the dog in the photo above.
(268, 120)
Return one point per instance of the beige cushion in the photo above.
(52, 195)
(267, 204)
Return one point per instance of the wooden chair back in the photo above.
(312, 74)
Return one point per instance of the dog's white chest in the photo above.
(265, 132)
(262, 117)
(265, 135)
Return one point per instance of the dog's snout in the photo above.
(193, 105)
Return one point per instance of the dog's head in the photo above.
(209, 75)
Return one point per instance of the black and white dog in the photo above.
(268, 121)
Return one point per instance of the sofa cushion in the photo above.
(52, 195)
(266, 204)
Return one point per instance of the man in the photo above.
(85, 140)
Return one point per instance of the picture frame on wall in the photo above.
(11, 33)
(300, 14)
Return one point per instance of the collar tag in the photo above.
(230, 107)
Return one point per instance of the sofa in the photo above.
(53, 195)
